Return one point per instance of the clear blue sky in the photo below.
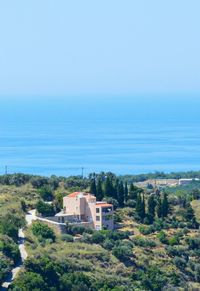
(107, 47)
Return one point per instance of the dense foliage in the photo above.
(155, 245)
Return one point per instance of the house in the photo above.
(84, 208)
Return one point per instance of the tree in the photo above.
(4, 268)
(10, 223)
(140, 207)
(45, 209)
(109, 189)
(43, 231)
(165, 206)
(151, 208)
(99, 190)
(120, 194)
(196, 193)
(190, 216)
(134, 191)
(29, 281)
(93, 188)
(126, 192)
(159, 207)
(46, 193)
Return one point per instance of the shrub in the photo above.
(173, 241)
(45, 209)
(4, 268)
(152, 279)
(130, 203)
(42, 231)
(46, 193)
(98, 237)
(29, 281)
(9, 248)
(67, 238)
(180, 263)
(122, 251)
(177, 251)
(75, 281)
(146, 229)
(194, 243)
(143, 242)
(162, 237)
(76, 229)
(10, 223)
(108, 244)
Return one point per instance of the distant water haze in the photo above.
(124, 135)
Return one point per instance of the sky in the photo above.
(99, 48)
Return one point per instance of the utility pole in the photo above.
(6, 170)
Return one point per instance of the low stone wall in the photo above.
(61, 227)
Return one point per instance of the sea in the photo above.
(79, 135)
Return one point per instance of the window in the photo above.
(97, 218)
(97, 210)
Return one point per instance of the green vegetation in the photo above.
(156, 243)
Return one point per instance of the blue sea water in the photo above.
(122, 135)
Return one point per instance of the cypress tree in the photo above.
(93, 188)
(133, 192)
(159, 208)
(140, 206)
(99, 190)
(126, 192)
(165, 206)
(189, 212)
(143, 207)
(109, 189)
(151, 208)
(120, 192)
(190, 216)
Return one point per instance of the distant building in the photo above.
(187, 181)
(83, 208)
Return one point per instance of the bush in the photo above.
(98, 237)
(152, 279)
(108, 244)
(180, 263)
(130, 203)
(45, 209)
(9, 248)
(75, 281)
(162, 237)
(77, 229)
(122, 251)
(42, 231)
(46, 193)
(177, 251)
(67, 238)
(143, 242)
(10, 223)
(29, 281)
(146, 229)
(4, 268)
(172, 241)
(194, 243)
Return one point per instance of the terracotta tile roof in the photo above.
(103, 205)
(74, 194)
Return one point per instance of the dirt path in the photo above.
(30, 216)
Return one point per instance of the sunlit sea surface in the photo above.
(126, 136)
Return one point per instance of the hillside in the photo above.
(147, 250)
